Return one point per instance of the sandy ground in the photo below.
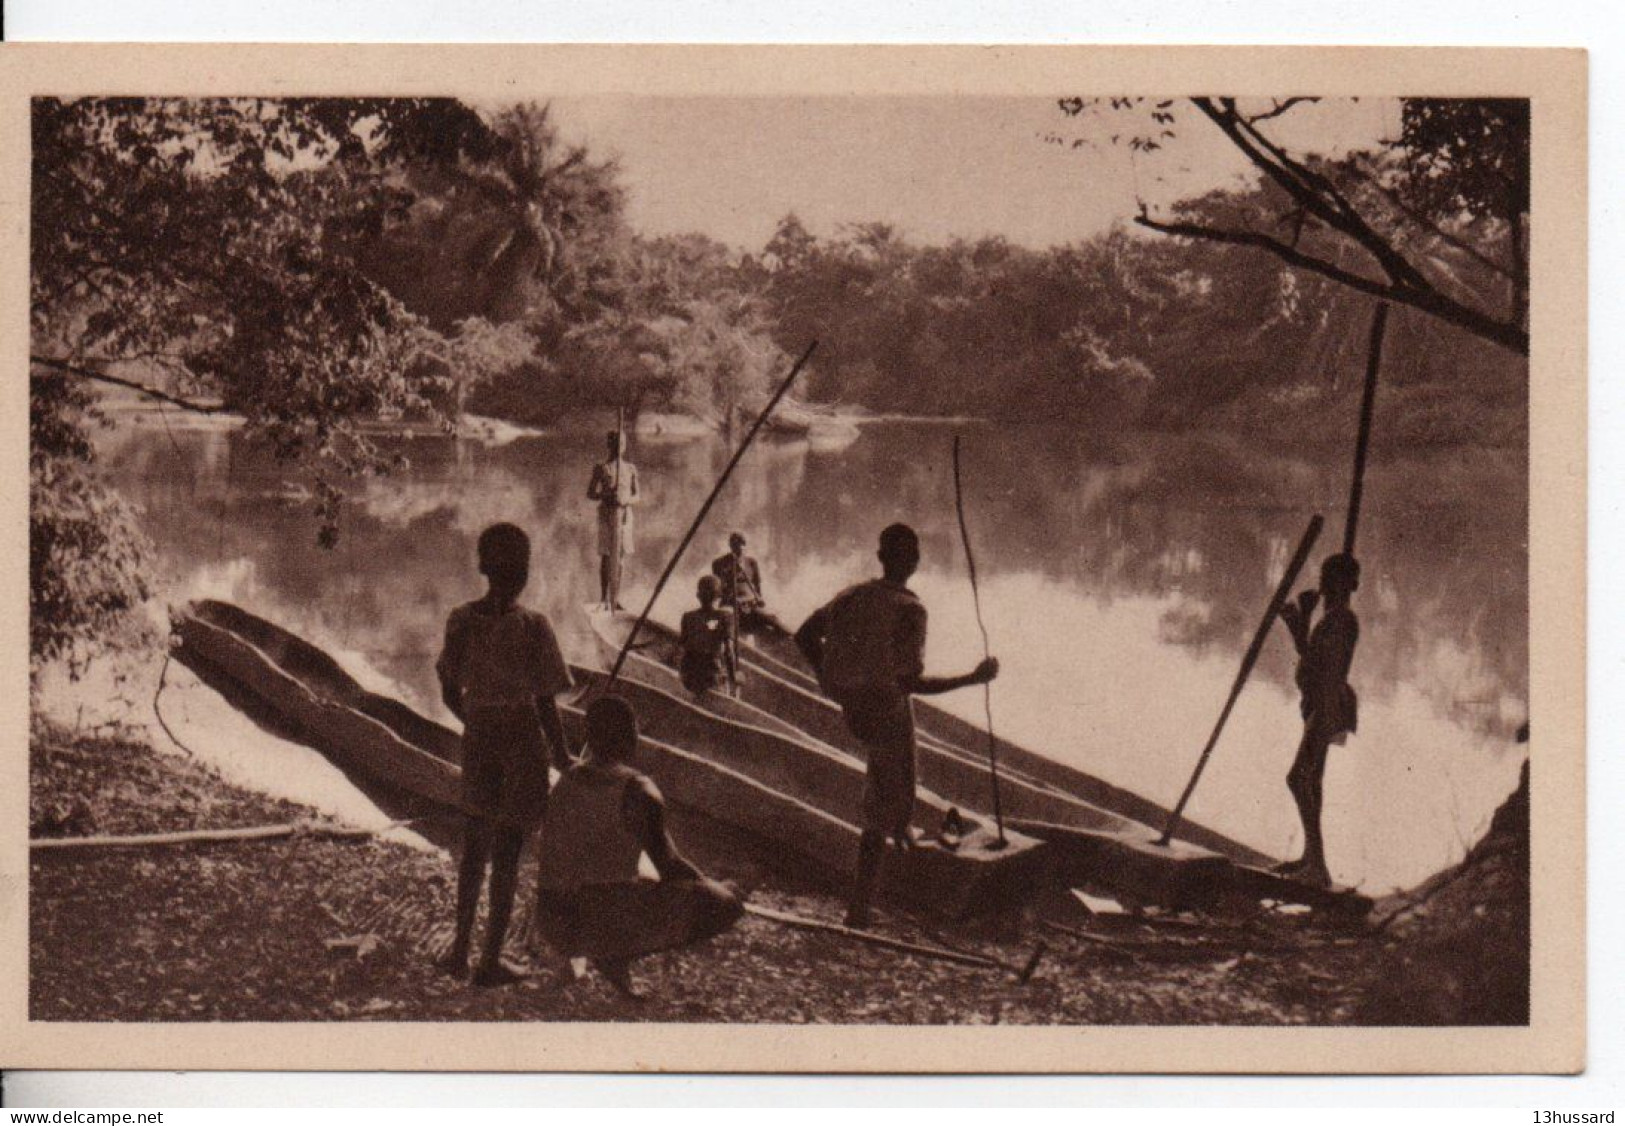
(311, 929)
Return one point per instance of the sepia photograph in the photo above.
(577, 555)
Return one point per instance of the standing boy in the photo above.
(604, 815)
(614, 485)
(1327, 700)
(868, 647)
(500, 670)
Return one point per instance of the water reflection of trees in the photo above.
(1205, 524)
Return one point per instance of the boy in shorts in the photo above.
(500, 670)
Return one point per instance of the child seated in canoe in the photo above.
(710, 642)
(603, 815)
(500, 670)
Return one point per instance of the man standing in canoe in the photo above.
(500, 670)
(603, 816)
(614, 485)
(868, 648)
(741, 578)
(1328, 703)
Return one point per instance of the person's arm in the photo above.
(810, 638)
(449, 664)
(552, 678)
(547, 709)
(984, 672)
(909, 643)
(645, 814)
(595, 487)
(1296, 618)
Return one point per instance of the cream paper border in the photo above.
(1554, 79)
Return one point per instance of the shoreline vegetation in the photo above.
(316, 926)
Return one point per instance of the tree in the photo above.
(529, 232)
(202, 254)
(1466, 154)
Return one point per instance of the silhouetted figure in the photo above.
(868, 647)
(499, 670)
(614, 485)
(1327, 700)
(742, 592)
(710, 643)
(602, 817)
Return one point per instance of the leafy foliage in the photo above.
(204, 253)
(1382, 224)
(84, 550)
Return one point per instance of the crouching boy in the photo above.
(602, 816)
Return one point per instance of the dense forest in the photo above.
(318, 266)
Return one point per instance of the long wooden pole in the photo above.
(987, 689)
(1277, 600)
(1373, 364)
(1023, 972)
(693, 529)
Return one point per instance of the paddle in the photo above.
(693, 529)
(1277, 600)
(987, 689)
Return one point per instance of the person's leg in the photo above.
(1304, 781)
(1314, 847)
(470, 875)
(871, 848)
(603, 579)
(506, 845)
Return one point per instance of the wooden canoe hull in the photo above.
(1031, 787)
(775, 652)
(727, 772)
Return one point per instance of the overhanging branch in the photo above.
(1427, 299)
(130, 384)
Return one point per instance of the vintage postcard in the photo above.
(947, 559)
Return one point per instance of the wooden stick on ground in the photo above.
(209, 836)
(1277, 600)
(1023, 972)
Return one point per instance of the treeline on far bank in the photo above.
(551, 303)
(1122, 329)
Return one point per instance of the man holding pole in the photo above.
(868, 648)
(1328, 703)
(614, 486)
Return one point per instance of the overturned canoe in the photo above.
(952, 752)
(797, 798)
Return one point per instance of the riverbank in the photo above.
(308, 928)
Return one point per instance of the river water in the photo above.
(1122, 579)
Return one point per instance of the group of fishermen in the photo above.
(501, 670)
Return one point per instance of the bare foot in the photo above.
(858, 917)
(453, 963)
(619, 975)
(498, 974)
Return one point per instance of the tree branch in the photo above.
(116, 381)
(1427, 299)
(1281, 107)
(1321, 198)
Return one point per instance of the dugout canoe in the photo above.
(1099, 834)
(792, 795)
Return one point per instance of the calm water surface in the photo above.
(1121, 581)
